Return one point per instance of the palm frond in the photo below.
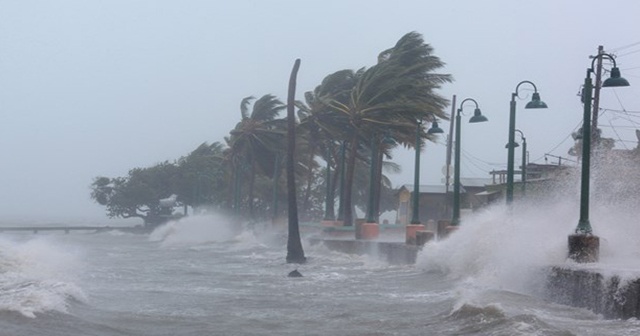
(244, 106)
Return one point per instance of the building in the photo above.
(435, 202)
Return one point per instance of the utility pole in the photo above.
(595, 136)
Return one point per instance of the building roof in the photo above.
(431, 189)
(475, 181)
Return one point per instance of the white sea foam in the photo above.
(194, 230)
(502, 250)
(37, 276)
(509, 249)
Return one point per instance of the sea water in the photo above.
(202, 276)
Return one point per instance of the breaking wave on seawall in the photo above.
(511, 249)
(202, 229)
(37, 276)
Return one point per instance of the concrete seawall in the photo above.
(391, 252)
(611, 295)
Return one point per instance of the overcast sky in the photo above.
(92, 88)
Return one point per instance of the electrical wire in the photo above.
(469, 159)
(480, 160)
(628, 53)
(625, 47)
(617, 134)
(619, 101)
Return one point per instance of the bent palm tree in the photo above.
(389, 97)
(256, 138)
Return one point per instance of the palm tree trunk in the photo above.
(348, 183)
(341, 174)
(295, 253)
(307, 193)
(378, 186)
(252, 180)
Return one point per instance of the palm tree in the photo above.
(317, 129)
(389, 97)
(255, 139)
(202, 176)
(295, 253)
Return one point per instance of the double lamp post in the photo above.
(583, 245)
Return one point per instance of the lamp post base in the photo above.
(411, 233)
(584, 248)
(450, 229)
(369, 231)
(442, 228)
(423, 237)
(327, 223)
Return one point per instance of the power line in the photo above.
(617, 111)
(619, 101)
(617, 134)
(625, 46)
(619, 126)
(628, 53)
(485, 162)
(469, 160)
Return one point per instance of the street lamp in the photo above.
(276, 177)
(435, 129)
(523, 177)
(583, 245)
(477, 117)
(329, 210)
(341, 167)
(372, 179)
(534, 103)
(524, 162)
(415, 225)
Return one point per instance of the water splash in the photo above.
(194, 230)
(510, 248)
(37, 276)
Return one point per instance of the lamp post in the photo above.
(276, 177)
(415, 224)
(329, 212)
(370, 229)
(583, 245)
(534, 103)
(415, 197)
(340, 219)
(477, 117)
(523, 175)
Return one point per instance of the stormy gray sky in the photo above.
(92, 88)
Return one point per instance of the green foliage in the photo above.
(139, 193)
(384, 101)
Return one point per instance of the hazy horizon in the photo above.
(93, 88)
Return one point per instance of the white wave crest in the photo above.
(194, 230)
(37, 276)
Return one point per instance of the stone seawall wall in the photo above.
(391, 252)
(607, 295)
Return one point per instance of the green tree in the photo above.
(138, 195)
(390, 97)
(202, 177)
(255, 140)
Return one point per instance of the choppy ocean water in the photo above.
(201, 277)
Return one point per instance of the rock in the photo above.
(295, 274)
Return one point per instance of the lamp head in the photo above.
(515, 145)
(578, 134)
(388, 140)
(477, 116)
(615, 79)
(435, 129)
(535, 102)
